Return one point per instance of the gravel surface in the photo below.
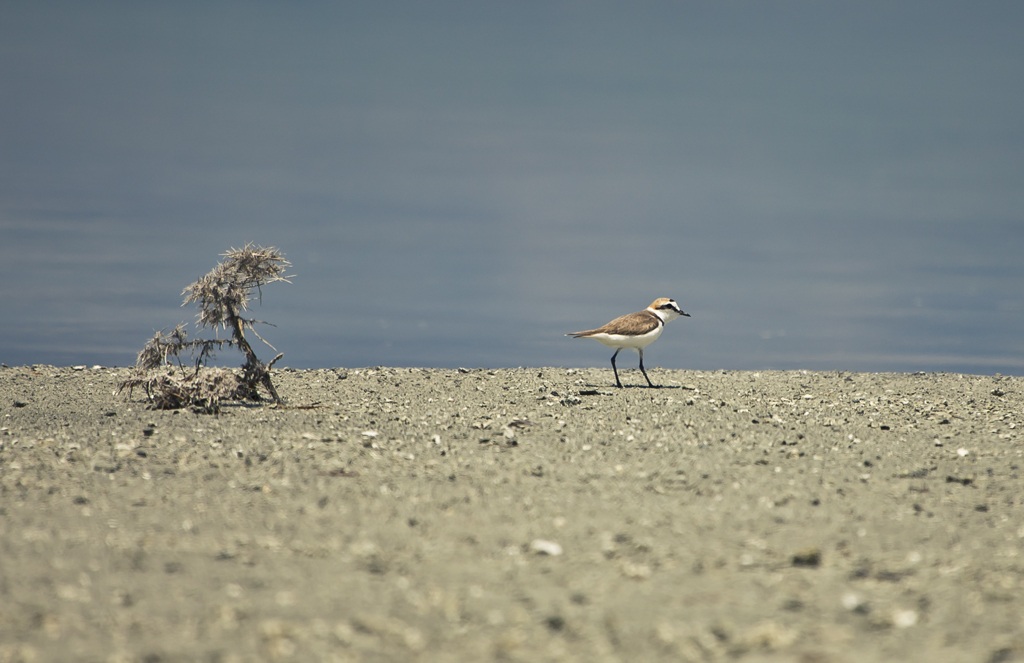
(394, 514)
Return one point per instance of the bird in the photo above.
(635, 330)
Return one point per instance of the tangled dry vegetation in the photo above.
(223, 296)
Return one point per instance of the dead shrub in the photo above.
(223, 295)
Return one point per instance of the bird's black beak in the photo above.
(682, 312)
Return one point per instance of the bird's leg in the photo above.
(649, 383)
(616, 370)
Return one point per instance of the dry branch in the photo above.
(223, 296)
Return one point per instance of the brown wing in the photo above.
(631, 324)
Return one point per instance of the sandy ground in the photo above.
(396, 514)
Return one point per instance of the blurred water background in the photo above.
(821, 185)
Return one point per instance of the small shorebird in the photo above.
(635, 330)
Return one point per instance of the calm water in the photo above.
(460, 184)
